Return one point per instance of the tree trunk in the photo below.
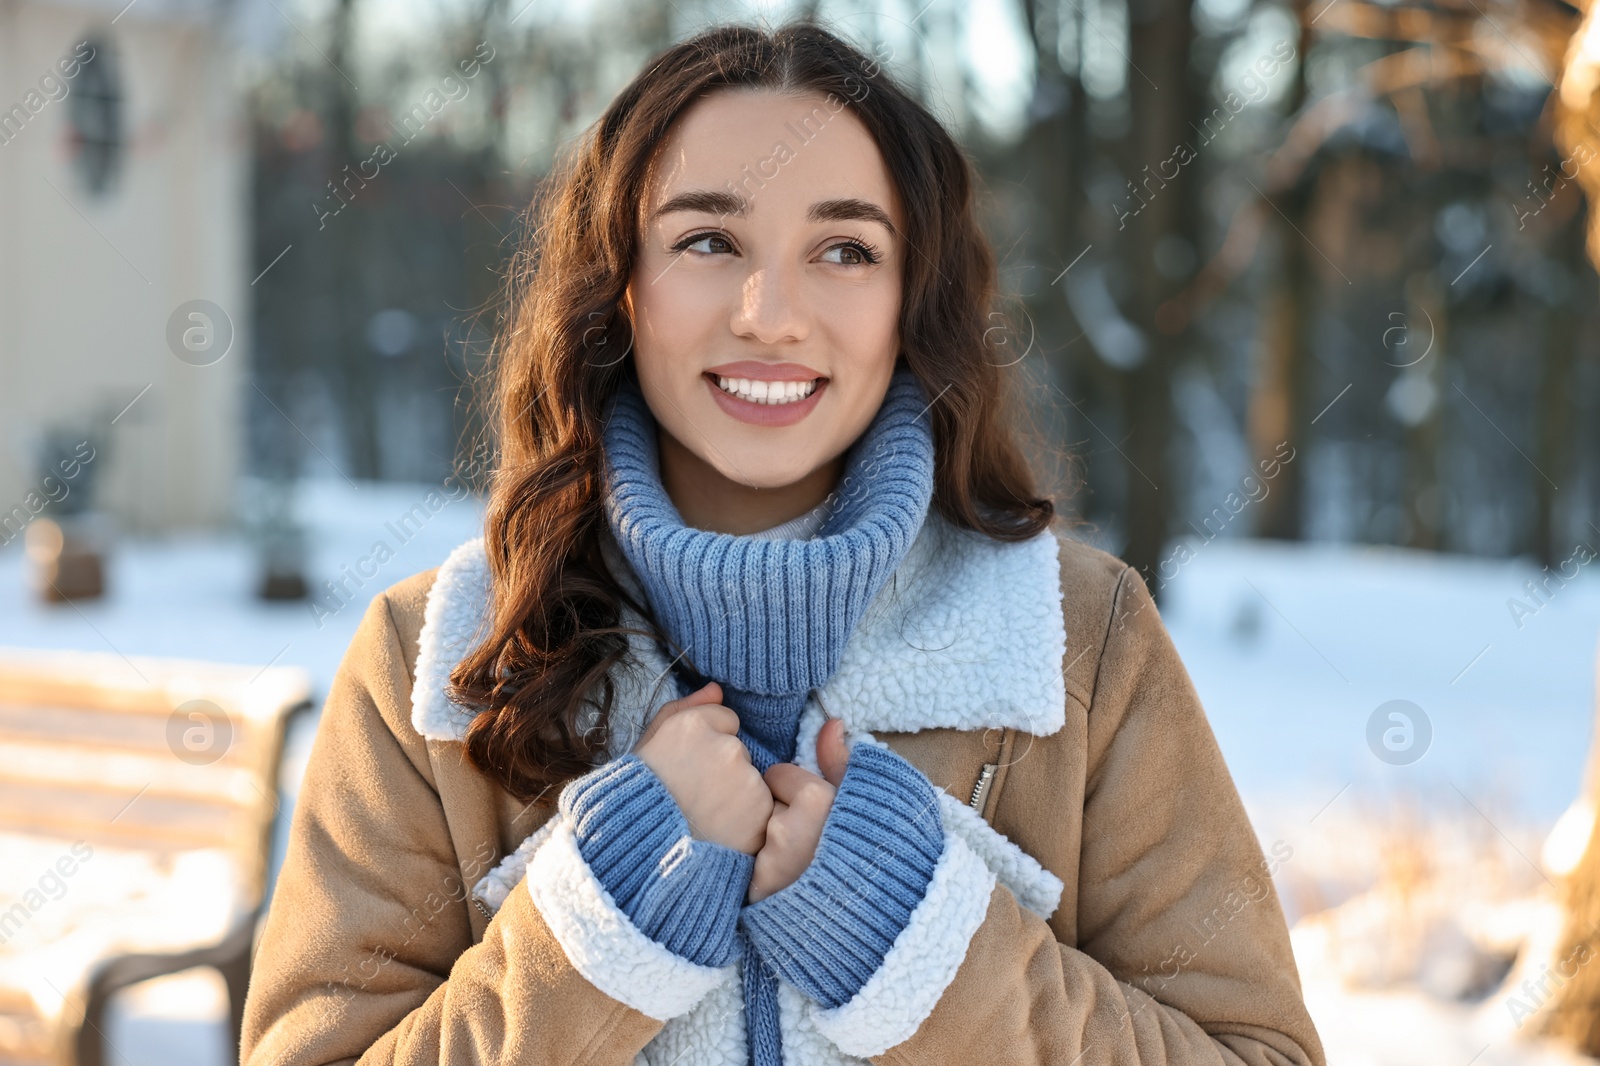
(1562, 337)
(1161, 36)
(1050, 161)
(1280, 406)
(1568, 1005)
(1565, 1004)
(355, 369)
(1424, 500)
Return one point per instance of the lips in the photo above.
(755, 370)
(754, 403)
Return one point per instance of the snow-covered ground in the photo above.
(1293, 649)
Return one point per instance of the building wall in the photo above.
(89, 282)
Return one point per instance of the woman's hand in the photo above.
(801, 802)
(693, 746)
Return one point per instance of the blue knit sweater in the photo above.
(768, 619)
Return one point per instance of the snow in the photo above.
(192, 595)
(1292, 648)
(1405, 1027)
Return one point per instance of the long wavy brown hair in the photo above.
(557, 627)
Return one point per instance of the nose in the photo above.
(772, 307)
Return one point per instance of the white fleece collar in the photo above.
(968, 633)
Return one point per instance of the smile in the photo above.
(772, 393)
(764, 402)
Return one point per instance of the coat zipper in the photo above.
(981, 790)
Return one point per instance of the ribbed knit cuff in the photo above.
(829, 931)
(681, 892)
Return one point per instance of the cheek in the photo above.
(678, 308)
(863, 324)
(669, 325)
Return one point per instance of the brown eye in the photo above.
(722, 243)
(852, 253)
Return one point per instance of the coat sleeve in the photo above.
(367, 954)
(1183, 954)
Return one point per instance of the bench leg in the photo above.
(236, 972)
(90, 1040)
(83, 1040)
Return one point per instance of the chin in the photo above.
(761, 471)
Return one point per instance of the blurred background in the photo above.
(1303, 296)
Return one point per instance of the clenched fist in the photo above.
(693, 746)
(800, 804)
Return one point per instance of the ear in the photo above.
(832, 752)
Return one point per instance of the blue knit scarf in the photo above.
(768, 619)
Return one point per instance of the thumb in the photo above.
(710, 692)
(832, 752)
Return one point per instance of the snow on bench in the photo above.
(137, 798)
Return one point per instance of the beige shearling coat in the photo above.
(1102, 897)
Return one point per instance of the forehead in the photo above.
(782, 151)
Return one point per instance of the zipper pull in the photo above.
(980, 791)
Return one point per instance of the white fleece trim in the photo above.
(712, 1034)
(802, 1040)
(968, 633)
(603, 944)
(494, 887)
(1035, 887)
(921, 963)
(451, 620)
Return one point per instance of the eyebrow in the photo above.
(731, 204)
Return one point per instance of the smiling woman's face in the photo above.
(765, 298)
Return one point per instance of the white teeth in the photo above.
(767, 392)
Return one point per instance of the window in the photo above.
(95, 115)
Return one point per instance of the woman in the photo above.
(769, 721)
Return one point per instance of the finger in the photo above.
(832, 752)
(722, 719)
(786, 780)
(710, 692)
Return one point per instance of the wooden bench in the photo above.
(137, 800)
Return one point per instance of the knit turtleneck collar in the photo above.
(769, 618)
